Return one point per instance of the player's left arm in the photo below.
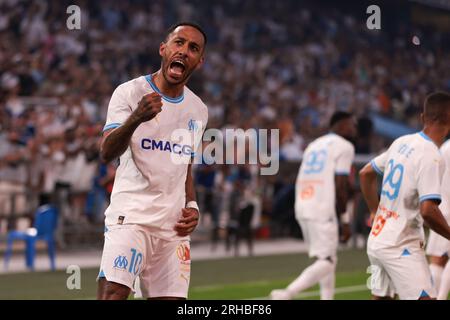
(189, 215)
(342, 197)
(429, 178)
(189, 185)
(432, 215)
(342, 193)
(342, 187)
(342, 182)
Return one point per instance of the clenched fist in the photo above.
(149, 106)
(188, 221)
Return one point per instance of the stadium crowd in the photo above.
(269, 64)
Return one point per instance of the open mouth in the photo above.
(177, 67)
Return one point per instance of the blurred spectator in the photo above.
(207, 195)
(243, 208)
(13, 176)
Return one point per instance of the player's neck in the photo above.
(336, 132)
(167, 89)
(435, 133)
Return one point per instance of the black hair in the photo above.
(190, 24)
(436, 107)
(338, 116)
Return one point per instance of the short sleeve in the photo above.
(379, 163)
(118, 110)
(429, 177)
(344, 160)
(201, 125)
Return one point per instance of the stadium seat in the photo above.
(44, 227)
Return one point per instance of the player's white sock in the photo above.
(444, 288)
(436, 274)
(310, 276)
(327, 287)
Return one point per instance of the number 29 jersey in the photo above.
(315, 192)
(412, 170)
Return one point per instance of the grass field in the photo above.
(237, 278)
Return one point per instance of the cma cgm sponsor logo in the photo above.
(150, 144)
(192, 125)
(121, 262)
(183, 253)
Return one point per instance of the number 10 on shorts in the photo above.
(136, 260)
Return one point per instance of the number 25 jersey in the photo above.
(412, 170)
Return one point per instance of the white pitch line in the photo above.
(310, 294)
(219, 286)
(307, 294)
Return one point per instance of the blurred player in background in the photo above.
(438, 248)
(412, 170)
(322, 191)
(153, 209)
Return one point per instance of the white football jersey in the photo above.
(412, 171)
(315, 193)
(149, 187)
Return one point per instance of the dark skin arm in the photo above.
(369, 188)
(342, 195)
(189, 185)
(116, 141)
(432, 215)
(189, 216)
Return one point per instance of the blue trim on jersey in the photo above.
(155, 88)
(423, 135)
(430, 197)
(375, 167)
(342, 173)
(111, 126)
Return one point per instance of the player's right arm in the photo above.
(369, 184)
(369, 187)
(116, 140)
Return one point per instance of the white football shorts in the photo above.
(322, 237)
(402, 271)
(163, 267)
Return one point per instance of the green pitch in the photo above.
(232, 278)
